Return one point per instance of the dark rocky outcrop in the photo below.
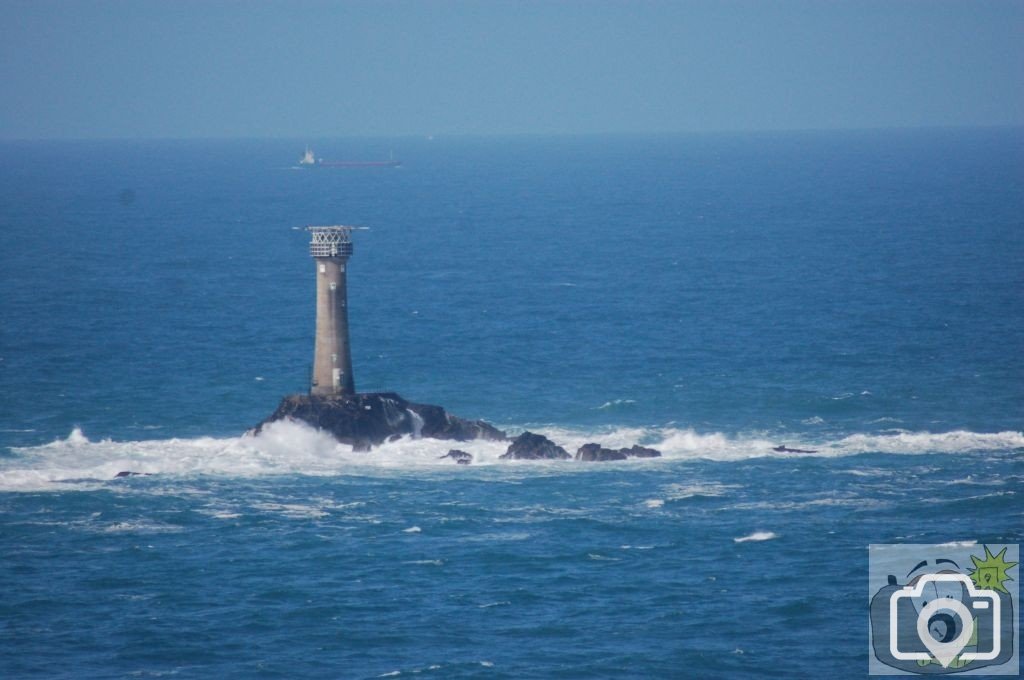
(367, 420)
(597, 453)
(636, 451)
(530, 446)
(129, 473)
(460, 457)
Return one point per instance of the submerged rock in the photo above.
(130, 473)
(785, 449)
(367, 420)
(530, 446)
(597, 453)
(460, 457)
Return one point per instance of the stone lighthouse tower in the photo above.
(332, 361)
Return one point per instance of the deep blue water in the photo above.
(856, 293)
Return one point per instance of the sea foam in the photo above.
(290, 447)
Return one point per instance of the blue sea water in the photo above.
(856, 293)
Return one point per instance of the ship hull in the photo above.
(358, 164)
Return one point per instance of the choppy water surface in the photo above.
(855, 294)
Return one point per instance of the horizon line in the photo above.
(478, 135)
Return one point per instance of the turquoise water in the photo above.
(855, 293)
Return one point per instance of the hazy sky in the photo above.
(317, 69)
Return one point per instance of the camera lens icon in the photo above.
(935, 617)
(945, 624)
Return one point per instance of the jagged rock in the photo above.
(597, 453)
(460, 457)
(530, 446)
(636, 451)
(367, 420)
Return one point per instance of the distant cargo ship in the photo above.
(309, 160)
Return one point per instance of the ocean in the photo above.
(857, 294)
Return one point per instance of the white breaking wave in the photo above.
(417, 422)
(959, 441)
(757, 536)
(288, 447)
(616, 402)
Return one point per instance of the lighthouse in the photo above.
(331, 247)
(332, 405)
